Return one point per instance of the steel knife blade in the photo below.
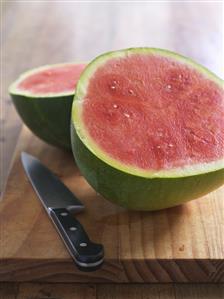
(60, 202)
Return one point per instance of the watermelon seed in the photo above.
(113, 85)
(115, 106)
(158, 146)
(127, 115)
(170, 145)
(168, 87)
(130, 91)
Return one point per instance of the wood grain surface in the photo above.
(181, 244)
(39, 32)
(77, 291)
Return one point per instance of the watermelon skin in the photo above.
(139, 193)
(47, 118)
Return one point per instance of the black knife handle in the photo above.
(87, 255)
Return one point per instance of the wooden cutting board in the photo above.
(181, 244)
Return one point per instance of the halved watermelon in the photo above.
(43, 98)
(148, 128)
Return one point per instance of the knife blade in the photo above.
(60, 203)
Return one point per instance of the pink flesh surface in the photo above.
(154, 113)
(53, 80)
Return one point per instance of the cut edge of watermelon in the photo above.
(14, 90)
(81, 88)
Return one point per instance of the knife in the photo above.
(60, 203)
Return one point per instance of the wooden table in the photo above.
(43, 32)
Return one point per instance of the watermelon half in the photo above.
(148, 128)
(43, 98)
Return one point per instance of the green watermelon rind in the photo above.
(46, 115)
(131, 189)
(47, 118)
(139, 193)
(96, 150)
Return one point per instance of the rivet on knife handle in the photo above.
(87, 255)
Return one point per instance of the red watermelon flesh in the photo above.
(55, 79)
(154, 112)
